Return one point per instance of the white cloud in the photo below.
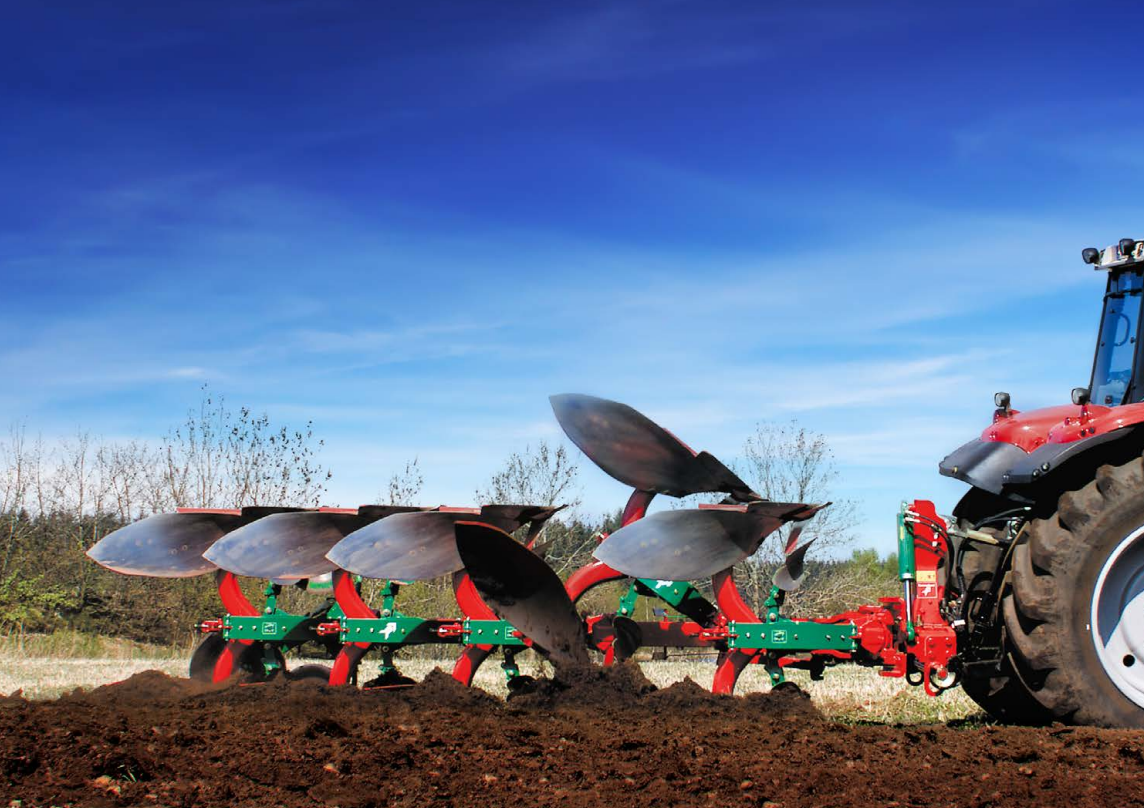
(188, 373)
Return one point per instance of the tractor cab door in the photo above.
(1118, 349)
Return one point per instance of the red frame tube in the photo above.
(731, 607)
(236, 603)
(351, 604)
(594, 573)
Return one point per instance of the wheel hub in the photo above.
(1117, 618)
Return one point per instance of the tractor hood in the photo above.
(1021, 448)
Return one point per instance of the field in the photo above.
(846, 694)
(156, 739)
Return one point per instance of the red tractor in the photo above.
(1054, 610)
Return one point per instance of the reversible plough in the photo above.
(1031, 594)
(511, 600)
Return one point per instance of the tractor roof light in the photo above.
(1125, 252)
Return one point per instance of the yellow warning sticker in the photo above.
(927, 576)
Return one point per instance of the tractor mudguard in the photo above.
(982, 464)
(999, 467)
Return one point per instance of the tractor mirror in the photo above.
(1080, 396)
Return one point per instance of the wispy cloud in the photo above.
(402, 344)
(188, 373)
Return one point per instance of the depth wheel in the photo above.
(205, 656)
(309, 673)
(1075, 614)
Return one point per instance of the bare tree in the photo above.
(126, 468)
(222, 458)
(537, 476)
(545, 475)
(405, 486)
(790, 463)
(19, 473)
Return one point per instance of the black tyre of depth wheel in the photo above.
(248, 665)
(205, 656)
(1048, 611)
(316, 673)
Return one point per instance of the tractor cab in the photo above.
(1020, 450)
(1118, 347)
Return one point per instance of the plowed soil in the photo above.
(603, 739)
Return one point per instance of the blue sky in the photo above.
(413, 222)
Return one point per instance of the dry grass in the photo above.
(78, 645)
(846, 694)
(46, 677)
(849, 694)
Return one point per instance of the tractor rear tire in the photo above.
(1004, 695)
(1060, 569)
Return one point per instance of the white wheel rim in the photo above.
(1117, 620)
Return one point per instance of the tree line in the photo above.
(57, 500)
